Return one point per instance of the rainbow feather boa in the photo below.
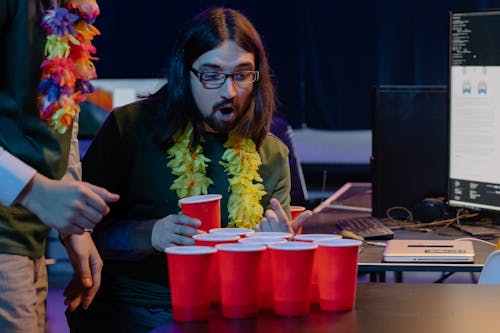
(241, 163)
(68, 66)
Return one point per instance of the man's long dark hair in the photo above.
(206, 31)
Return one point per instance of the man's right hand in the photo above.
(174, 230)
(71, 207)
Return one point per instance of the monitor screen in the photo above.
(474, 116)
(409, 146)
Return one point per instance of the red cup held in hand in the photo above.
(205, 208)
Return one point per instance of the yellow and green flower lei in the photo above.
(241, 163)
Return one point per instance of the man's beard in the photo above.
(219, 125)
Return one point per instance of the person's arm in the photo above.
(132, 240)
(74, 169)
(70, 207)
(129, 240)
(15, 175)
(82, 252)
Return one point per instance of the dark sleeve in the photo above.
(22, 132)
(106, 164)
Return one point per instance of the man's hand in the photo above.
(87, 266)
(68, 206)
(174, 230)
(276, 219)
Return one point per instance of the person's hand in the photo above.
(87, 266)
(68, 206)
(276, 219)
(174, 230)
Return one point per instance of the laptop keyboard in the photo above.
(367, 227)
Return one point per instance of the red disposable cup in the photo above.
(238, 231)
(337, 272)
(266, 294)
(277, 234)
(314, 279)
(189, 290)
(292, 263)
(205, 208)
(239, 269)
(263, 240)
(212, 240)
(296, 211)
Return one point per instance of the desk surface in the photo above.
(380, 307)
(370, 259)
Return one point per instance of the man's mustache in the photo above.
(225, 104)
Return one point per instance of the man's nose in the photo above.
(228, 89)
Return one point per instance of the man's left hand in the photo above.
(87, 266)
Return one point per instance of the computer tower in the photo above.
(409, 146)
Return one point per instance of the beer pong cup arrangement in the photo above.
(190, 294)
(235, 231)
(206, 208)
(267, 272)
(291, 264)
(213, 274)
(314, 279)
(238, 264)
(337, 262)
(265, 292)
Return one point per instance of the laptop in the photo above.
(442, 251)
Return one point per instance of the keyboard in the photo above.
(367, 227)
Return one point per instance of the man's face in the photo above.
(222, 107)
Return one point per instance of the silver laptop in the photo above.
(414, 250)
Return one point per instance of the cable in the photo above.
(445, 223)
(476, 240)
(453, 220)
(409, 218)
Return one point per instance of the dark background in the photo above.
(326, 55)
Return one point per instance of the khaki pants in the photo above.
(23, 294)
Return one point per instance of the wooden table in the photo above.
(380, 307)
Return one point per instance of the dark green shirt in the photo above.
(124, 159)
(22, 132)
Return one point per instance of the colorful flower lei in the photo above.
(67, 67)
(241, 162)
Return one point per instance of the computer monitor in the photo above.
(474, 116)
(409, 146)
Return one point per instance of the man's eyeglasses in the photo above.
(214, 80)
